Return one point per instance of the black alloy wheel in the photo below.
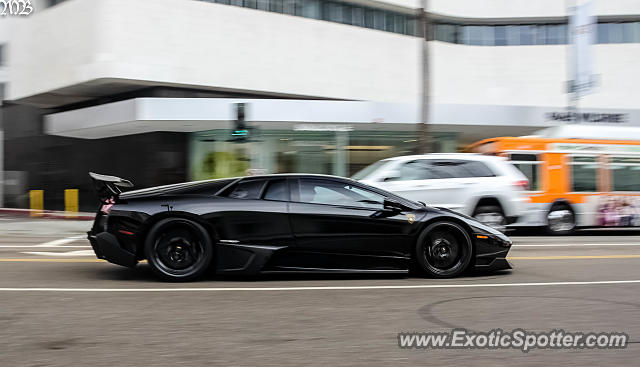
(444, 250)
(178, 249)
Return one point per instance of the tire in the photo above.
(561, 220)
(444, 250)
(491, 215)
(178, 250)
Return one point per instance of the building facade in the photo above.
(147, 89)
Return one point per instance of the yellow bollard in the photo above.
(71, 202)
(36, 202)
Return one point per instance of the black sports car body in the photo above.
(285, 223)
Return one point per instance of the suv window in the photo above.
(249, 190)
(460, 169)
(318, 191)
(415, 170)
(277, 190)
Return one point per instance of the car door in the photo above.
(342, 225)
(254, 212)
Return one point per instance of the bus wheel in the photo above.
(561, 220)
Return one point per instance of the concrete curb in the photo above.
(48, 214)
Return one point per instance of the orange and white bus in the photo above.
(580, 176)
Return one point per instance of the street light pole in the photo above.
(424, 140)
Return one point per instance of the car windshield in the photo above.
(365, 172)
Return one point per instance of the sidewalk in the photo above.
(48, 214)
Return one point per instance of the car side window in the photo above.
(277, 190)
(415, 170)
(329, 192)
(444, 169)
(249, 190)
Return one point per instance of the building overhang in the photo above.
(143, 115)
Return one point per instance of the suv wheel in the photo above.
(491, 215)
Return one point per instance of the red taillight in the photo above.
(522, 184)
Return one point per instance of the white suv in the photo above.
(488, 188)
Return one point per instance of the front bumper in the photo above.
(106, 247)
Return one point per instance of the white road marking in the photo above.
(62, 241)
(68, 253)
(318, 288)
(579, 245)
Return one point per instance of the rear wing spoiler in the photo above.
(108, 187)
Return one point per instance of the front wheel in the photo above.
(443, 250)
(178, 249)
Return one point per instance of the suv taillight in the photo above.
(522, 184)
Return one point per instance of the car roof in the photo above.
(316, 175)
(468, 156)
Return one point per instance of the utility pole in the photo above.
(424, 139)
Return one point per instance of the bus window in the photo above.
(625, 173)
(529, 165)
(584, 174)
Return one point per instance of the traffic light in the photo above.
(240, 131)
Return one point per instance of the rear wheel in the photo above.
(561, 220)
(443, 250)
(491, 215)
(178, 249)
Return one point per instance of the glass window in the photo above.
(513, 35)
(378, 19)
(478, 35)
(527, 35)
(473, 169)
(358, 17)
(389, 21)
(276, 6)
(253, 4)
(249, 189)
(635, 32)
(615, 33)
(317, 191)
(584, 174)
(277, 190)
(446, 32)
(556, 34)
(541, 34)
(627, 32)
(236, 2)
(347, 14)
(625, 173)
(311, 9)
(501, 35)
(289, 7)
(400, 24)
(263, 4)
(443, 169)
(603, 33)
(415, 170)
(529, 165)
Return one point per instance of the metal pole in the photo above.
(424, 140)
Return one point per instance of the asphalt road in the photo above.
(61, 307)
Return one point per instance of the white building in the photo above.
(120, 72)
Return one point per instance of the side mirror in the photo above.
(390, 204)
